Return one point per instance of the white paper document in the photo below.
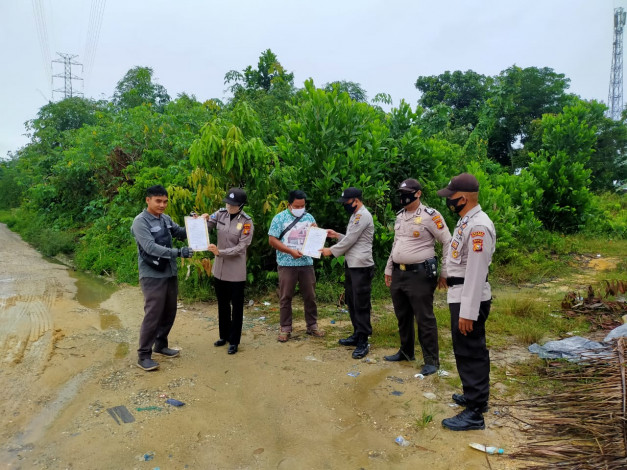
(197, 233)
(314, 242)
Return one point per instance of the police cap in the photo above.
(465, 183)
(409, 185)
(235, 197)
(350, 193)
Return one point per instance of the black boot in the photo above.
(467, 420)
(350, 341)
(362, 348)
(461, 401)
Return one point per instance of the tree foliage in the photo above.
(137, 88)
(84, 172)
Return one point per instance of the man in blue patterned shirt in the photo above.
(287, 234)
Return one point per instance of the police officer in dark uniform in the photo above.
(469, 298)
(235, 232)
(411, 274)
(156, 258)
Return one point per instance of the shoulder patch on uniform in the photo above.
(357, 217)
(477, 234)
(477, 244)
(437, 220)
(429, 210)
(214, 216)
(246, 230)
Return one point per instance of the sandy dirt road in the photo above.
(63, 363)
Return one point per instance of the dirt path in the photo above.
(272, 405)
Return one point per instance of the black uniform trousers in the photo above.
(412, 296)
(357, 291)
(230, 309)
(160, 295)
(472, 356)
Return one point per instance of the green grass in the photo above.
(427, 416)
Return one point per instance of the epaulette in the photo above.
(400, 212)
(429, 210)
(222, 209)
(245, 215)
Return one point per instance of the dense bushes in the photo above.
(84, 174)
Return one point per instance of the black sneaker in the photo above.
(467, 420)
(362, 348)
(350, 341)
(460, 399)
(399, 356)
(167, 352)
(147, 364)
(428, 369)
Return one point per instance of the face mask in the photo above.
(349, 208)
(407, 199)
(233, 209)
(298, 212)
(452, 204)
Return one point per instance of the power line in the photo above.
(96, 15)
(42, 35)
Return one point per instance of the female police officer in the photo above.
(235, 232)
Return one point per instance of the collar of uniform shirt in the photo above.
(470, 213)
(409, 215)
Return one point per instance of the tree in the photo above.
(354, 90)
(607, 163)
(268, 89)
(137, 88)
(519, 96)
(463, 92)
(559, 169)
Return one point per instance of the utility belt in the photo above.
(429, 266)
(457, 281)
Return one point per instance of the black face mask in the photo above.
(407, 199)
(349, 208)
(452, 204)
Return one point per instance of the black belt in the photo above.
(411, 267)
(456, 281)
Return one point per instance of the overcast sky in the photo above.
(383, 45)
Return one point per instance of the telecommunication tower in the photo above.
(67, 61)
(615, 95)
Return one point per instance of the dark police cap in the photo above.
(235, 197)
(465, 183)
(409, 186)
(350, 193)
